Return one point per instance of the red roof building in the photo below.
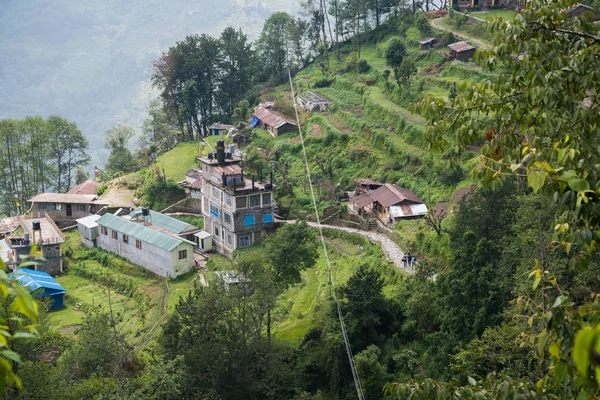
(391, 202)
(274, 122)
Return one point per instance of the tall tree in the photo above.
(277, 45)
(120, 159)
(67, 149)
(236, 64)
(394, 55)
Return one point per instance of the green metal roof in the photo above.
(166, 222)
(141, 232)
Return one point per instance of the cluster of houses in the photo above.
(238, 210)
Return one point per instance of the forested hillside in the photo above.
(503, 300)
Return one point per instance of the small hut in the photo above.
(427, 43)
(462, 51)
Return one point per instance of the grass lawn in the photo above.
(180, 287)
(304, 305)
(177, 161)
(508, 15)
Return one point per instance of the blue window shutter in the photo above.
(249, 220)
(267, 218)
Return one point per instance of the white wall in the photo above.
(150, 257)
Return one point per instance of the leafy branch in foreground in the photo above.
(540, 118)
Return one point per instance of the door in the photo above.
(69, 210)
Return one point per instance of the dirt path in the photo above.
(392, 252)
(436, 24)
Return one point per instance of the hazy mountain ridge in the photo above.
(90, 63)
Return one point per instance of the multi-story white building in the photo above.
(237, 209)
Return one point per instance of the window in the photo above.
(267, 218)
(138, 244)
(229, 239)
(244, 241)
(241, 202)
(104, 230)
(216, 231)
(115, 234)
(215, 193)
(58, 206)
(267, 199)
(228, 200)
(81, 207)
(51, 207)
(255, 200)
(227, 218)
(214, 210)
(182, 254)
(125, 239)
(249, 220)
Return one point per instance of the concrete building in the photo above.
(310, 101)
(237, 209)
(41, 285)
(138, 240)
(48, 239)
(66, 208)
(462, 51)
(88, 229)
(272, 121)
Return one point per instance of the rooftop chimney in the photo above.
(220, 155)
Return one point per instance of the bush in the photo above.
(355, 64)
(422, 24)
(101, 189)
(322, 83)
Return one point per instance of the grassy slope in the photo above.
(177, 161)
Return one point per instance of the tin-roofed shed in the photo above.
(462, 51)
(310, 101)
(41, 284)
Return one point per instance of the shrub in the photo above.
(322, 83)
(101, 189)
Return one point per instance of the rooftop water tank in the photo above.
(36, 225)
(145, 211)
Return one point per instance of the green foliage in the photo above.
(553, 159)
(422, 24)
(394, 54)
(101, 189)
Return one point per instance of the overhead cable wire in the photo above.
(355, 376)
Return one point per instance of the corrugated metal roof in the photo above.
(141, 232)
(89, 221)
(232, 169)
(67, 198)
(427, 40)
(166, 222)
(194, 173)
(202, 235)
(33, 280)
(408, 210)
(387, 195)
(87, 187)
(313, 97)
(270, 117)
(220, 126)
(459, 47)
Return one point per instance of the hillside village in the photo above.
(358, 190)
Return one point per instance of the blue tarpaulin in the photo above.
(255, 122)
(40, 284)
